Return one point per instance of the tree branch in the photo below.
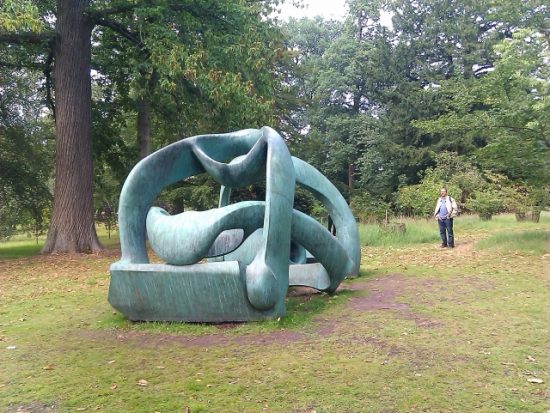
(176, 7)
(481, 69)
(21, 65)
(123, 8)
(514, 128)
(98, 17)
(27, 37)
(120, 29)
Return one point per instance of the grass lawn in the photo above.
(421, 330)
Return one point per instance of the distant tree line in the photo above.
(454, 93)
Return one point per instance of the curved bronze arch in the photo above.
(235, 290)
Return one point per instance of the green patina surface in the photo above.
(256, 249)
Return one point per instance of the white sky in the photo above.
(329, 9)
(335, 9)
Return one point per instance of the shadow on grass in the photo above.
(302, 310)
(12, 251)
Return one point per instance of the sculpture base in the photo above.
(213, 292)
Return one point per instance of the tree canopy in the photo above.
(470, 78)
(380, 110)
(208, 65)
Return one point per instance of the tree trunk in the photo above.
(144, 109)
(144, 126)
(72, 226)
(351, 171)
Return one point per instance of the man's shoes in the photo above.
(451, 245)
(443, 246)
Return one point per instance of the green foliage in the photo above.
(453, 92)
(319, 212)
(368, 208)
(485, 193)
(107, 216)
(420, 199)
(486, 203)
(368, 84)
(332, 65)
(507, 108)
(197, 67)
(25, 158)
(197, 193)
(9, 217)
(305, 202)
(204, 67)
(200, 67)
(517, 199)
(19, 16)
(417, 200)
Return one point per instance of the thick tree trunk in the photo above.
(144, 126)
(72, 226)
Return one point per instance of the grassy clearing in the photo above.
(422, 329)
(533, 242)
(19, 248)
(22, 245)
(423, 231)
(416, 232)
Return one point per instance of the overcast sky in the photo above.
(329, 9)
(335, 9)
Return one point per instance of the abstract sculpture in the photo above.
(255, 249)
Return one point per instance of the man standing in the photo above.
(445, 210)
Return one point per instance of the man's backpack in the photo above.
(454, 208)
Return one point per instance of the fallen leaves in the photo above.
(142, 383)
(48, 367)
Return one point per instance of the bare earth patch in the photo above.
(35, 407)
(385, 293)
(380, 294)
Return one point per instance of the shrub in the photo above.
(486, 203)
(368, 208)
(419, 200)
